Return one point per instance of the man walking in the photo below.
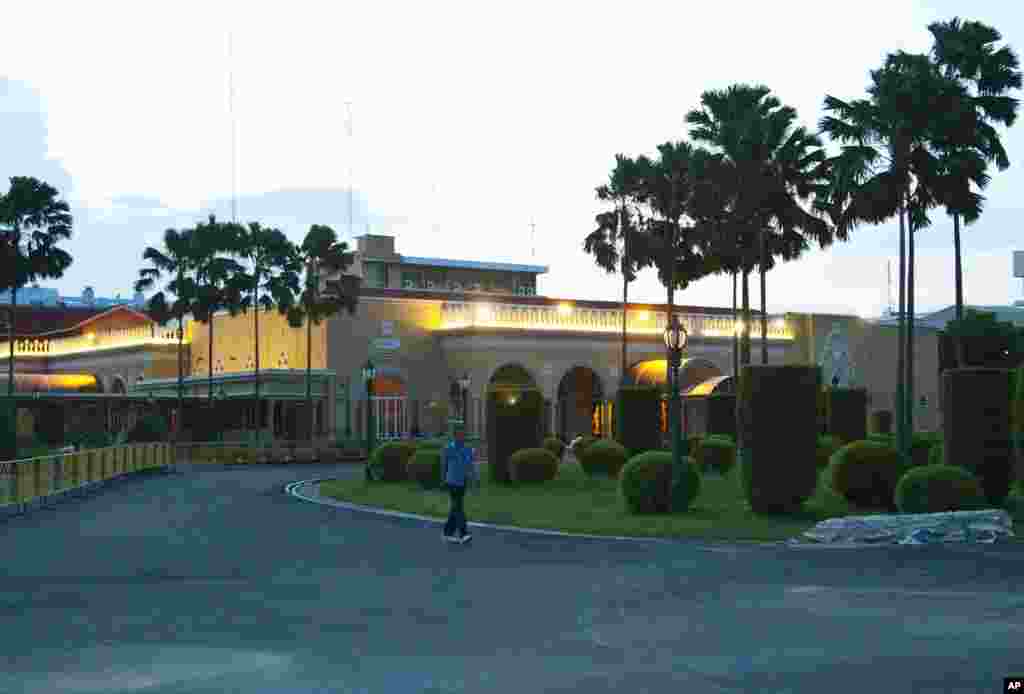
(458, 471)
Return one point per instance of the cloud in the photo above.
(25, 138)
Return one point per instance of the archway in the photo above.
(512, 375)
(117, 386)
(580, 395)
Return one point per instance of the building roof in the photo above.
(52, 321)
(472, 265)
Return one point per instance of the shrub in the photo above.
(881, 422)
(865, 473)
(921, 444)
(580, 446)
(637, 415)
(935, 456)
(646, 483)
(148, 429)
(778, 463)
(388, 462)
(603, 457)
(515, 420)
(721, 413)
(939, 488)
(534, 465)
(827, 445)
(424, 467)
(555, 445)
(430, 444)
(976, 425)
(717, 453)
(847, 413)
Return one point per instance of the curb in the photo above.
(293, 489)
(80, 492)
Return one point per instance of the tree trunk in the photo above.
(745, 337)
(764, 305)
(309, 383)
(901, 340)
(625, 298)
(181, 379)
(209, 354)
(256, 360)
(958, 272)
(909, 414)
(735, 333)
(10, 345)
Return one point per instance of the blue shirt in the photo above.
(458, 465)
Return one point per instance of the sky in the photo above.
(470, 121)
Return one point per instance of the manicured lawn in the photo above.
(575, 503)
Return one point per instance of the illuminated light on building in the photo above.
(564, 309)
(643, 315)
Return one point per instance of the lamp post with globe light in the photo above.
(369, 372)
(675, 341)
(464, 383)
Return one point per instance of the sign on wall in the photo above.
(387, 328)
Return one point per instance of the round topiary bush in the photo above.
(939, 488)
(431, 444)
(581, 444)
(424, 467)
(865, 473)
(646, 483)
(388, 462)
(827, 445)
(603, 457)
(555, 445)
(534, 465)
(717, 453)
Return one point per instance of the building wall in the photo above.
(234, 343)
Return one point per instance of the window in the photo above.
(376, 275)
(412, 279)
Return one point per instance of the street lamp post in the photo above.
(675, 341)
(368, 374)
(464, 383)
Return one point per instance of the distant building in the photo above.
(43, 296)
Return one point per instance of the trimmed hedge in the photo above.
(646, 483)
(976, 425)
(935, 456)
(531, 465)
(638, 418)
(827, 445)
(847, 413)
(937, 489)
(580, 449)
(865, 473)
(604, 457)
(430, 444)
(514, 421)
(921, 444)
(721, 415)
(717, 453)
(388, 462)
(556, 446)
(424, 467)
(881, 422)
(779, 443)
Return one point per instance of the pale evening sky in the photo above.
(469, 120)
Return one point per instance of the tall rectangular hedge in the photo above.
(638, 418)
(976, 427)
(8, 429)
(847, 413)
(721, 415)
(779, 434)
(515, 420)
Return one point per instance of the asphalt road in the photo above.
(217, 581)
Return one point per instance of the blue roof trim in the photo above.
(473, 264)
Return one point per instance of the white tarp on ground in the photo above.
(913, 528)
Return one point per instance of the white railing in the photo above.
(565, 317)
(390, 416)
(110, 338)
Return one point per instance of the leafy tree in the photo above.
(777, 166)
(966, 52)
(272, 282)
(33, 221)
(175, 261)
(613, 226)
(322, 256)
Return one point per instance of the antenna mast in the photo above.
(234, 136)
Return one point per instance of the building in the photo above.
(428, 323)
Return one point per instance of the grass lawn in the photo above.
(576, 503)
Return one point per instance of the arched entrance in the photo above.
(580, 398)
(512, 375)
(654, 372)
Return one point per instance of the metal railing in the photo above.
(46, 478)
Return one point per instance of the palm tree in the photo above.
(613, 226)
(777, 166)
(320, 299)
(965, 52)
(175, 261)
(886, 168)
(272, 283)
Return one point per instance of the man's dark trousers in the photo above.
(457, 515)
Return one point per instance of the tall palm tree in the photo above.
(778, 166)
(36, 220)
(322, 255)
(272, 282)
(175, 261)
(966, 52)
(613, 226)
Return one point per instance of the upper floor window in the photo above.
(375, 275)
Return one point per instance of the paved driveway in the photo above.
(216, 581)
